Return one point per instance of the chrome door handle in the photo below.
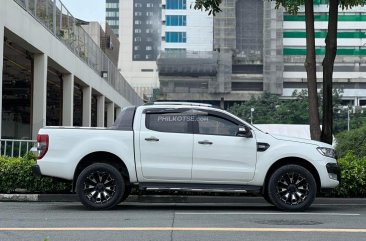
(205, 142)
(153, 138)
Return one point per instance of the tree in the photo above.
(328, 64)
(292, 6)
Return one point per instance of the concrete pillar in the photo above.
(100, 110)
(68, 100)
(1, 73)
(87, 95)
(39, 93)
(110, 114)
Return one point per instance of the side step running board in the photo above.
(187, 187)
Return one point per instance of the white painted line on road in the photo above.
(274, 213)
(208, 229)
(334, 204)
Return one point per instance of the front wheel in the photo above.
(100, 186)
(292, 188)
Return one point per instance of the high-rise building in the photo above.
(151, 26)
(112, 15)
(350, 64)
(228, 70)
(258, 48)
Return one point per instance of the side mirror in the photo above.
(244, 131)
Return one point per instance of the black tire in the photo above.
(292, 188)
(126, 193)
(100, 186)
(266, 197)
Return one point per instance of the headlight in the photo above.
(329, 152)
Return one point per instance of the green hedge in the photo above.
(353, 183)
(16, 173)
(352, 141)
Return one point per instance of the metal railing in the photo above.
(55, 17)
(15, 148)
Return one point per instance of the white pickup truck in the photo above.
(185, 147)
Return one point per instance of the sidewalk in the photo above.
(167, 199)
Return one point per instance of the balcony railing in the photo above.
(55, 17)
(15, 148)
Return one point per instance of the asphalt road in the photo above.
(37, 221)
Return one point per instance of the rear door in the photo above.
(166, 144)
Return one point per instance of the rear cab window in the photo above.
(125, 119)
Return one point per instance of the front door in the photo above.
(218, 154)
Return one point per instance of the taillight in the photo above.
(42, 145)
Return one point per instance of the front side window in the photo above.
(169, 122)
(215, 125)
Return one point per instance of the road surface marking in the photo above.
(343, 204)
(213, 229)
(261, 213)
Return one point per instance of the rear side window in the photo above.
(169, 122)
(124, 120)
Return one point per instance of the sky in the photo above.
(88, 10)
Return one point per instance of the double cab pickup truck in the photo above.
(186, 147)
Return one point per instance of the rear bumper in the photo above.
(36, 171)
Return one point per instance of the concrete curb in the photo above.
(168, 199)
(38, 198)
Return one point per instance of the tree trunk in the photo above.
(310, 66)
(328, 64)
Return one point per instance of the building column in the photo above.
(100, 110)
(110, 114)
(39, 93)
(87, 95)
(1, 73)
(68, 100)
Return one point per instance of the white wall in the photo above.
(199, 29)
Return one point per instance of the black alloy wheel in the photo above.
(100, 186)
(292, 188)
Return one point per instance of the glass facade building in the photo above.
(146, 30)
(112, 15)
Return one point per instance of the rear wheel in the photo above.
(126, 193)
(266, 197)
(100, 186)
(292, 188)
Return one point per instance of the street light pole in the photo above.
(348, 119)
(251, 115)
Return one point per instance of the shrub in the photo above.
(353, 183)
(352, 141)
(16, 172)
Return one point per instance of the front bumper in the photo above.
(36, 171)
(333, 168)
